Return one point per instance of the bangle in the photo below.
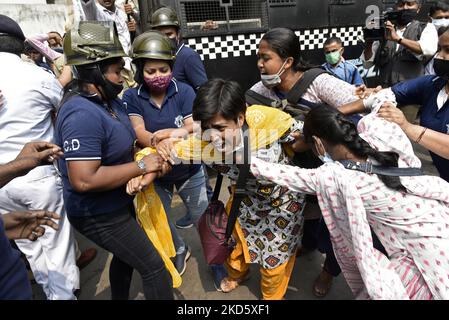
(421, 135)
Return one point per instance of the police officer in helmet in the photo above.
(98, 142)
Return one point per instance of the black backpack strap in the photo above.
(240, 192)
(368, 167)
(217, 188)
(252, 98)
(303, 84)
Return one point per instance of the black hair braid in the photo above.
(353, 141)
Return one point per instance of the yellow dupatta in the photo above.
(266, 125)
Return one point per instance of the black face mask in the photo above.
(407, 16)
(174, 43)
(111, 90)
(441, 68)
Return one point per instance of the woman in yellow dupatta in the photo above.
(267, 127)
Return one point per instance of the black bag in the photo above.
(215, 226)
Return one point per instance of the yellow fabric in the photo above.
(266, 126)
(151, 216)
(273, 282)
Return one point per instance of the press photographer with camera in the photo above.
(407, 44)
(405, 47)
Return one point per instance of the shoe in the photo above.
(181, 261)
(184, 223)
(86, 257)
(219, 272)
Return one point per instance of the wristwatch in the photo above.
(141, 165)
(400, 40)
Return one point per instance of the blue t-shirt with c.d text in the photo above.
(176, 107)
(424, 91)
(87, 131)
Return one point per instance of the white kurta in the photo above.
(413, 226)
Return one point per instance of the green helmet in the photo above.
(164, 17)
(91, 42)
(152, 45)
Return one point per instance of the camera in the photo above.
(378, 31)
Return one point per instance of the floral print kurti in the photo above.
(271, 216)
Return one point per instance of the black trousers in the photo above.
(119, 233)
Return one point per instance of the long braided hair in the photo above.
(332, 126)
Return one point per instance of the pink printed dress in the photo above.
(413, 226)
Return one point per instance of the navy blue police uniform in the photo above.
(176, 107)
(87, 130)
(424, 91)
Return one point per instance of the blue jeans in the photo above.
(192, 192)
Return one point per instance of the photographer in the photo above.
(407, 45)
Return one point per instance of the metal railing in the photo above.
(212, 17)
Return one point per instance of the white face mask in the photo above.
(438, 23)
(272, 80)
(326, 158)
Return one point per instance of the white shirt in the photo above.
(31, 94)
(95, 11)
(428, 43)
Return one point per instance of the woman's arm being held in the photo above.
(434, 141)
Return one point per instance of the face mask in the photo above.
(174, 43)
(111, 90)
(158, 84)
(272, 80)
(407, 16)
(438, 23)
(333, 57)
(441, 68)
(326, 158)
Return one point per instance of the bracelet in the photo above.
(400, 40)
(421, 135)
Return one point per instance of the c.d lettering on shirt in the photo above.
(73, 145)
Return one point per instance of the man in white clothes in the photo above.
(30, 97)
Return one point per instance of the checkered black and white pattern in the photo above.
(221, 47)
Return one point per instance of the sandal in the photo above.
(322, 284)
(228, 284)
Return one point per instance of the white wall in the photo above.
(36, 18)
(23, 2)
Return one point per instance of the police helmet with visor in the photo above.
(89, 48)
(151, 45)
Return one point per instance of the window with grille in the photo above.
(209, 17)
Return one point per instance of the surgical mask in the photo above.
(438, 23)
(333, 57)
(111, 90)
(158, 84)
(407, 16)
(326, 158)
(272, 80)
(441, 68)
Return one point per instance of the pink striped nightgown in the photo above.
(413, 226)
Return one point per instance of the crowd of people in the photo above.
(107, 109)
